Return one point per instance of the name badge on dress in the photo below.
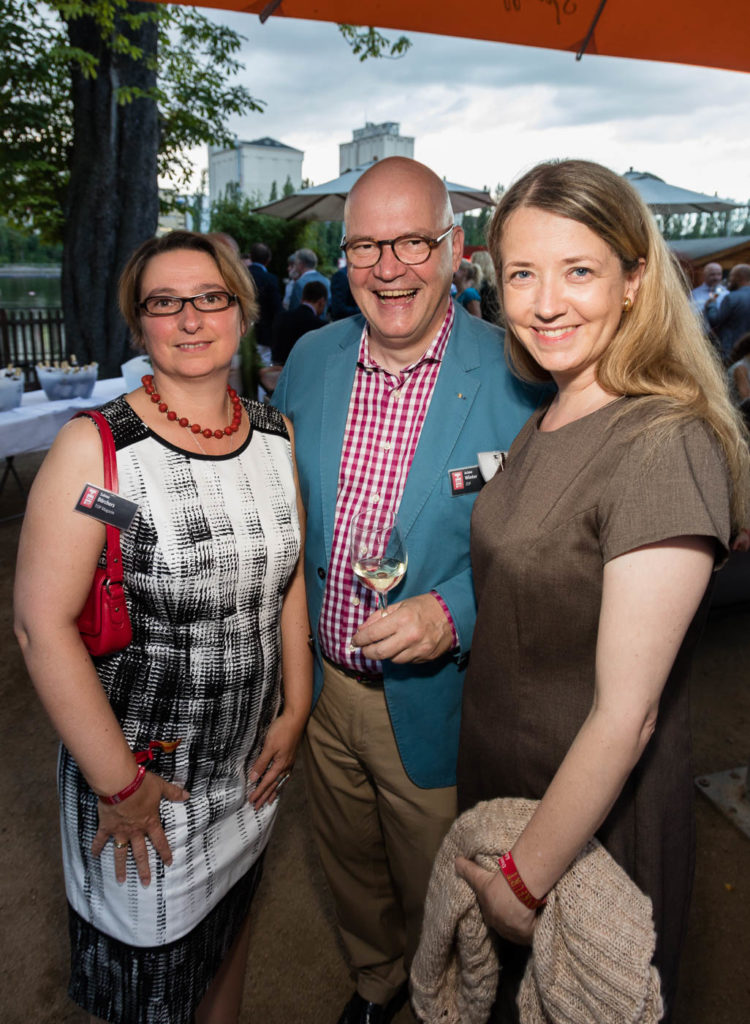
(106, 506)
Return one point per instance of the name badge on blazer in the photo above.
(465, 480)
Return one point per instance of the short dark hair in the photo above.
(232, 270)
(260, 253)
(314, 291)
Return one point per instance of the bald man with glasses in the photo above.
(394, 409)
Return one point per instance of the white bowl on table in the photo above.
(67, 382)
(11, 389)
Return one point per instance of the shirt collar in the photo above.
(433, 354)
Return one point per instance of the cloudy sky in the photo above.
(481, 112)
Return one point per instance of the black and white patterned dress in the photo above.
(206, 560)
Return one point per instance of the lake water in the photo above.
(29, 290)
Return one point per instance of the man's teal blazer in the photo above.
(477, 406)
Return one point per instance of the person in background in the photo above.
(305, 264)
(739, 375)
(467, 280)
(289, 280)
(592, 554)
(711, 287)
(161, 864)
(342, 300)
(291, 324)
(487, 289)
(730, 317)
(392, 409)
(268, 296)
(247, 359)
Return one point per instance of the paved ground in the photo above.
(296, 975)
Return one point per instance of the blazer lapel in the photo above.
(452, 399)
(338, 381)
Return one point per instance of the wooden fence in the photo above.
(31, 336)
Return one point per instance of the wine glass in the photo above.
(378, 551)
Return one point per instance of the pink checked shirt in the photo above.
(386, 414)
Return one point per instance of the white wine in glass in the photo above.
(378, 551)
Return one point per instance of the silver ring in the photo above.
(119, 845)
(282, 781)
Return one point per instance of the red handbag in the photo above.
(104, 624)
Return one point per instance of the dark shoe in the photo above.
(360, 1011)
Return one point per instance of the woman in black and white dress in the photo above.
(159, 885)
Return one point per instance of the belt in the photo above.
(364, 678)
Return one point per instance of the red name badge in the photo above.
(465, 480)
(89, 496)
(106, 506)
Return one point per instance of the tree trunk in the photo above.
(112, 201)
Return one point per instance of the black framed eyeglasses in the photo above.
(169, 305)
(409, 249)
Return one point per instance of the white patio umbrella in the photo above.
(665, 199)
(326, 201)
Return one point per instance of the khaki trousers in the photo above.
(377, 833)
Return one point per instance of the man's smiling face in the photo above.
(404, 305)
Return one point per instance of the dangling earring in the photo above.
(627, 304)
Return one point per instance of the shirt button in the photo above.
(375, 499)
(321, 572)
(386, 446)
(355, 602)
(395, 395)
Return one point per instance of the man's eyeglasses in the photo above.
(168, 305)
(409, 249)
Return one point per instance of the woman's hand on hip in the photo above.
(276, 760)
(501, 909)
(130, 822)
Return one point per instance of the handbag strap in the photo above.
(114, 552)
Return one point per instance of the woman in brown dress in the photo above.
(592, 553)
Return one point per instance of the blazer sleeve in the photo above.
(458, 594)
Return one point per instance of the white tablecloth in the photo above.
(34, 425)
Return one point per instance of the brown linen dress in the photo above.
(567, 502)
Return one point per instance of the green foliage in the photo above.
(19, 247)
(475, 226)
(288, 189)
(250, 363)
(368, 42)
(324, 238)
(233, 213)
(705, 225)
(35, 116)
(274, 195)
(195, 63)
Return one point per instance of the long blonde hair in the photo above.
(659, 348)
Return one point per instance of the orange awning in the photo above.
(668, 30)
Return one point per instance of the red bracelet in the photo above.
(141, 756)
(129, 790)
(517, 884)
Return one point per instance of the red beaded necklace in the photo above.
(148, 384)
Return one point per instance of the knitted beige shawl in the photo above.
(592, 945)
